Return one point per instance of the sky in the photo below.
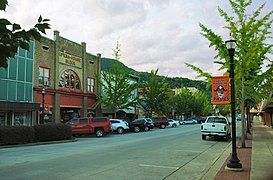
(152, 34)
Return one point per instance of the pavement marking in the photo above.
(155, 166)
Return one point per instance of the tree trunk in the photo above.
(243, 110)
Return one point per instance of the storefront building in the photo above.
(267, 113)
(63, 69)
(67, 74)
(17, 104)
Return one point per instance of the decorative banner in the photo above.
(220, 90)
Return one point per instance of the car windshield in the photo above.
(217, 120)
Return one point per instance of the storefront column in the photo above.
(84, 107)
(56, 110)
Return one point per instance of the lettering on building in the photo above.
(70, 60)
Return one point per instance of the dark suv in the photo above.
(140, 125)
(160, 122)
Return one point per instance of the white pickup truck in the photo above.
(216, 126)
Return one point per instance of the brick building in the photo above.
(63, 69)
(67, 73)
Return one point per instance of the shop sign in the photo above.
(220, 90)
(70, 60)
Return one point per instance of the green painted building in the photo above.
(16, 90)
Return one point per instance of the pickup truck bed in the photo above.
(215, 126)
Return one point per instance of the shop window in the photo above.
(2, 119)
(90, 85)
(43, 75)
(70, 80)
(19, 118)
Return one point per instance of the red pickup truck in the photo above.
(90, 125)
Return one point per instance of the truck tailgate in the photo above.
(214, 127)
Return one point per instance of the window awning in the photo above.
(19, 106)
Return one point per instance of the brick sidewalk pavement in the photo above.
(244, 155)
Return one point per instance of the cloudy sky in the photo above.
(153, 34)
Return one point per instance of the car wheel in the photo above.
(146, 128)
(203, 137)
(162, 126)
(174, 125)
(136, 129)
(120, 130)
(99, 132)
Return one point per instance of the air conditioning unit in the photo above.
(47, 83)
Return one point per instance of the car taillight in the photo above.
(201, 126)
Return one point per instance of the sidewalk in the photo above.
(256, 158)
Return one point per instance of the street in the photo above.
(156, 154)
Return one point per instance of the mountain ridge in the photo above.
(174, 82)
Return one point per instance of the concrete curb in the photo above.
(216, 165)
(38, 143)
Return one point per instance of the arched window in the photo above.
(70, 80)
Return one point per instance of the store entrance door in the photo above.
(69, 113)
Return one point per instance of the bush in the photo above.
(52, 132)
(16, 135)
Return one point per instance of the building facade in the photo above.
(67, 73)
(63, 69)
(17, 103)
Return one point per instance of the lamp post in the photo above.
(234, 162)
(43, 106)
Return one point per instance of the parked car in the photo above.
(216, 126)
(150, 121)
(119, 125)
(238, 118)
(188, 121)
(140, 124)
(90, 125)
(160, 122)
(173, 123)
(199, 119)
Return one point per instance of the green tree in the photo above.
(13, 36)
(118, 89)
(251, 32)
(201, 103)
(155, 94)
(183, 101)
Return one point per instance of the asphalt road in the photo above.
(171, 153)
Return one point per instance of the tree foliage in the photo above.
(252, 34)
(13, 36)
(188, 102)
(118, 88)
(155, 95)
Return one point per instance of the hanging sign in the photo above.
(220, 90)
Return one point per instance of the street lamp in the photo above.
(43, 106)
(234, 162)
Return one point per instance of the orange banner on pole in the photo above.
(220, 90)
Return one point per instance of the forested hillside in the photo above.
(175, 82)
